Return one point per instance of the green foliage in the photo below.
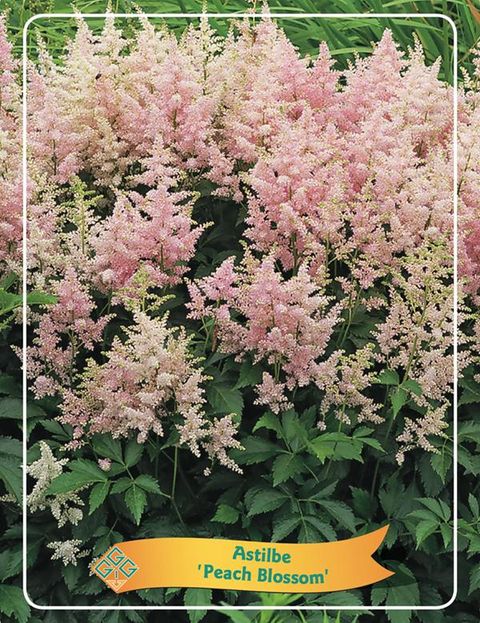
(12, 603)
(344, 36)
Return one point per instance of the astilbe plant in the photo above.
(144, 381)
(345, 212)
(286, 322)
(332, 283)
(10, 159)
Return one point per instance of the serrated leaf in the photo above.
(226, 514)
(388, 377)
(224, 399)
(9, 386)
(294, 432)
(134, 617)
(71, 575)
(373, 443)
(413, 386)
(133, 453)
(425, 514)
(10, 447)
(9, 301)
(108, 447)
(424, 529)
(322, 527)
(41, 298)
(441, 464)
(147, 483)
(83, 473)
(10, 562)
(87, 468)
(136, 500)
(336, 446)
(474, 579)
(447, 534)
(340, 512)
(152, 595)
(11, 476)
(399, 590)
(121, 485)
(197, 597)
(283, 527)
(473, 504)
(248, 375)
(437, 506)
(363, 503)
(469, 431)
(55, 428)
(256, 450)
(13, 604)
(286, 466)
(11, 409)
(97, 495)
(399, 399)
(266, 500)
(72, 481)
(269, 421)
(467, 397)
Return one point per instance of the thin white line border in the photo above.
(273, 15)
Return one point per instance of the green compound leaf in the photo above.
(424, 529)
(11, 476)
(133, 453)
(256, 450)
(13, 604)
(108, 447)
(286, 466)
(340, 512)
(226, 514)
(413, 386)
(325, 529)
(11, 409)
(284, 527)
(41, 298)
(269, 421)
(197, 597)
(474, 579)
(336, 446)
(399, 590)
(136, 500)
(266, 500)
(98, 495)
(223, 399)
(83, 472)
(388, 377)
(399, 400)
(147, 483)
(249, 375)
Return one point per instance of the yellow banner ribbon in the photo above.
(243, 565)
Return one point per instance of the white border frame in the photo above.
(455, 297)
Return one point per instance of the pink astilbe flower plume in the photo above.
(288, 323)
(62, 335)
(149, 384)
(344, 189)
(155, 232)
(10, 158)
(469, 183)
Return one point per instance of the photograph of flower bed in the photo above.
(241, 281)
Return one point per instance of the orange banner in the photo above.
(243, 565)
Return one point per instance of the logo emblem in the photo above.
(115, 568)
